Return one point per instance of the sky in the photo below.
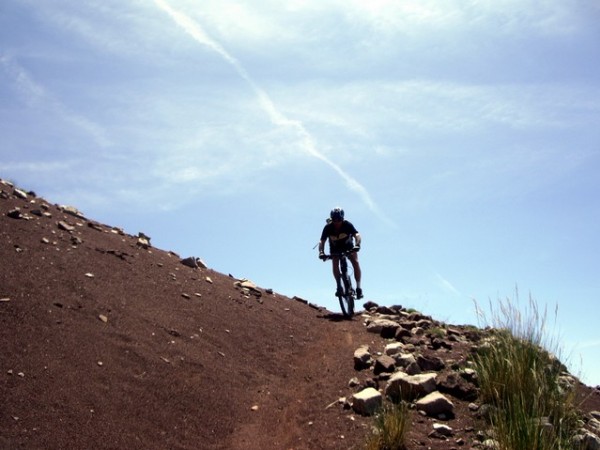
(461, 138)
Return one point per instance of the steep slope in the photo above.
(108, 344)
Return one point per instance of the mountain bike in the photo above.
(348, 294)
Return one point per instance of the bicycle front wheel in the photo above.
(347, 305)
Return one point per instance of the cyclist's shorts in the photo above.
(339, 250)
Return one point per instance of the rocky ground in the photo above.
(110, 343)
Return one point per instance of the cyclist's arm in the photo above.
(357, 239)
(321, 246)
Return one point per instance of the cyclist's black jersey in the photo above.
(339, 240)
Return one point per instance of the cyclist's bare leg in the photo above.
(336, 271)
(356, 266)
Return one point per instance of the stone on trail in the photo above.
(367, 401)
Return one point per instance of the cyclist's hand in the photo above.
(322, 256)
(356, 248)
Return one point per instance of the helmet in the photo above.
(337, 214)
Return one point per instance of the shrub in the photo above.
(391, 428)
(521, 379)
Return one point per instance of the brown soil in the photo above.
(105, 344)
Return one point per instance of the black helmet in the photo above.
(337, 214)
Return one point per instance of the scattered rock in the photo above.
(455, 385)
(367, 401)
(587, 440)
(20, 194)
(65, 226)
(431, 363)
(370, 305)
(194, 263)
(385, 327)
(71, 210)
(248, 287)
(190, 262)
(15, 213)
(490, 444)
(435, 404)
(393, 348)
(385, 364)
(95, 226)
(441, 430)
(402, 386)
(402, 335)
(143, 241)
(362, 358)
(594, 424)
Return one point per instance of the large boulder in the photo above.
(435, 404)
(402, 386)
(367, 402)
(384, 364)
(385, 327)
(362, 358)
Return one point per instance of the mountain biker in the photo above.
(342, 237)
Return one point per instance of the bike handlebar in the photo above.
(345, 253)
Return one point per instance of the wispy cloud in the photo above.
(36, 96)
(446, 285)
(417, 19)
(268, 106)
(31, 92)
(589, 344)
(48, 167)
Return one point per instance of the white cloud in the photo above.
(268, 21)
(370, 110)
(254, 120)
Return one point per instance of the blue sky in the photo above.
(461, 137)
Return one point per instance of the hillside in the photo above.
(110, 343)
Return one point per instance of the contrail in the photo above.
(275, 115)
(447, 285)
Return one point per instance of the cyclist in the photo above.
(342, 237)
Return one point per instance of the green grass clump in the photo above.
(532, 406)
(391, 428)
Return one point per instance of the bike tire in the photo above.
(347, 305)
(347, 299)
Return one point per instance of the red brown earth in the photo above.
(110, 345)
